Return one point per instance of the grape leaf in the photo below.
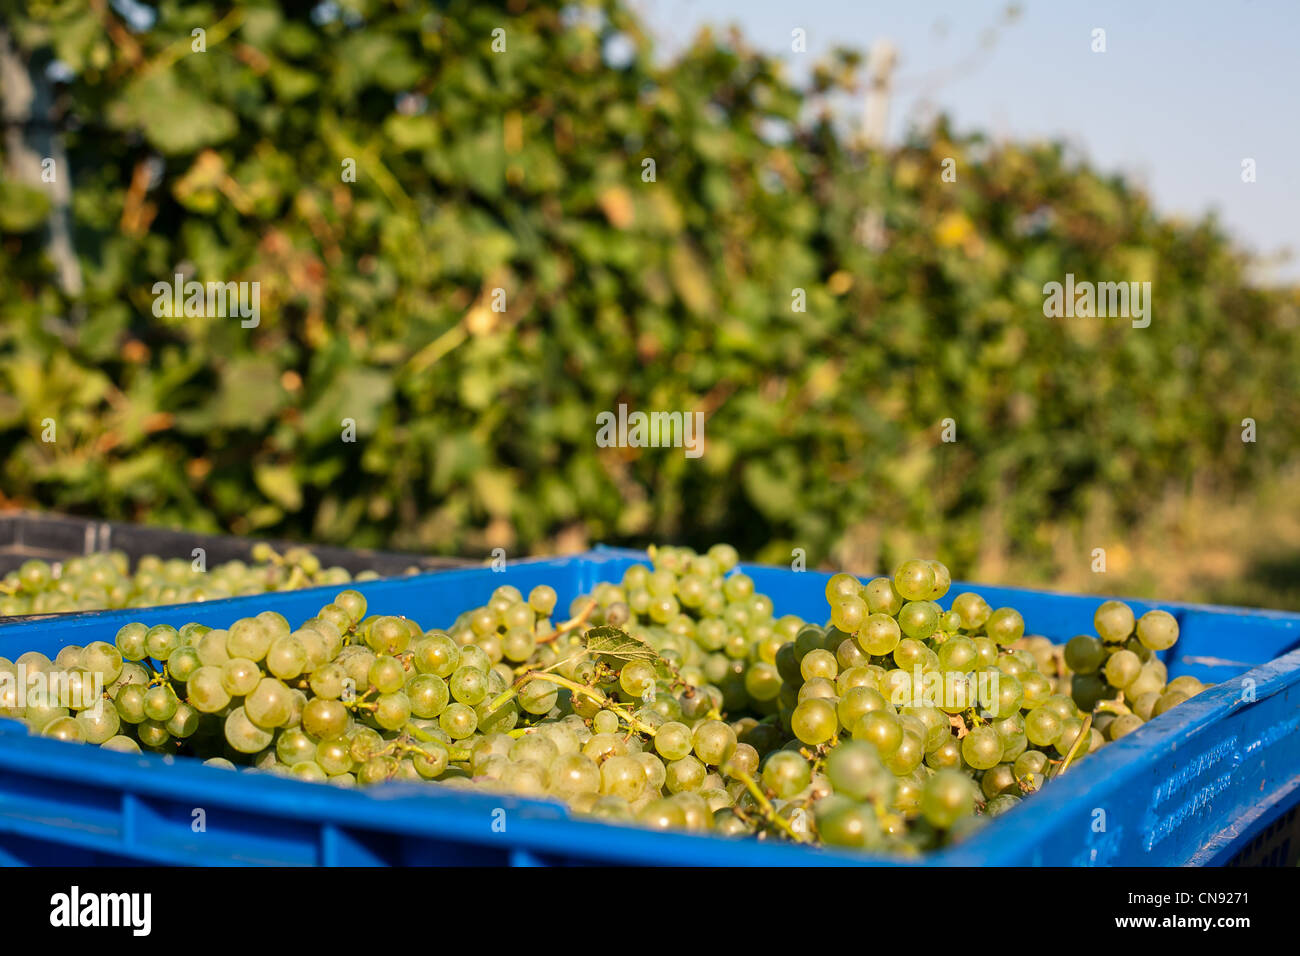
(614, 644)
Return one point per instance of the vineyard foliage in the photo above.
(672, 286)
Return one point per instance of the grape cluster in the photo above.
(105, 580)
(670, 699)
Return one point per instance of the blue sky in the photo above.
(1185, 90)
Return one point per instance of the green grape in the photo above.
(239, 676)
(998, 780)
(855, 770)
(935, 723)
(332, 755)
(389, 635)
(475, 657)
(986, 653)
(130, 703)
(882, 597)
(1005, 626)
(881, 729)
(1157, 630)
(205, 691)
(1005, 697)
(152, 734)
(947, 756)
(907, 756)
(1168, 700)
(392, 711)
(819, 663)
(982, 748)
(353, 602)
(243, 735)
(973, 610)
(1145, 704)
(856, 703)
(714, 742)
(880, 635)
(572, 774)
(637, 677)
(946, 797)
(849, 614)
(458, 720)
(428, 695)
(673, 741)
(1113, 621)
(908, 654)
(542, 600)
(1084, 654)
(436, 653)
(63, 728)
(738, 587)
(269, 705)
(184, 723)
(182, 663)
(212, 649)
(840, 587)
(918, 619)
(103, 659)
(538, 697)
(468, 685)
(914, 580)
(1186, 685)
(724, 556)
(131, 641)
(1036, 689)
(686, 774)
(1071, 729)
(1149, 680)
(161, 640)
(324, 718)
(957, 654)
(335, 615)
(160, 703)
(377, 770)
(1123, 725)
(623, 777)
(786, 774)
(99, 724)
(605, 722)
(1030, 769)
(121, 744)
(387, 675)
(1062, 705)
(1122, 669)
(1042, 727)
(248, 638)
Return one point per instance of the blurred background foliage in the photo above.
(523, 170)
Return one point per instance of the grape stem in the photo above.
(453, 753)
(512, 692)
(1074, 747)
(765, 805)
(571, 624)
(597, 697)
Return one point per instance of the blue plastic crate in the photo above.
(1192, 786)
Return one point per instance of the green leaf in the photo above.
(280, 484)
(21, 207)
(615, 644)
